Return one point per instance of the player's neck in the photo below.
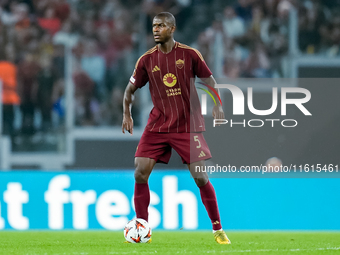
(167, 47)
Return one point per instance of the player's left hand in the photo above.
(217, 112)
(127, 124)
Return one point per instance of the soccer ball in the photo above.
(137, 231)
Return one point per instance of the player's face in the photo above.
(162, 30)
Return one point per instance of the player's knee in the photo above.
(201, 181)
(141, 175)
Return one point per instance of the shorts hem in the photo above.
(155, 159)
(200, 159)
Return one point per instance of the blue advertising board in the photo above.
(104, 200)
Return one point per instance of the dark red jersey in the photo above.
(171, 82)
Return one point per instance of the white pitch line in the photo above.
(212, 251)
(277, 250)
(238, 251)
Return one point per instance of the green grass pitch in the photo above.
(168, 242)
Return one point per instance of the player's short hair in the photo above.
(168, 16)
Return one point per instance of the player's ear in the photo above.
(173, 29)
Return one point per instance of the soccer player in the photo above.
(175, 120)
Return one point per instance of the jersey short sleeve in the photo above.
(140, 76)
(200, 67)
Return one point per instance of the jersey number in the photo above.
(196, 140)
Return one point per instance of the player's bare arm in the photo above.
(127, 104)
(217, 110)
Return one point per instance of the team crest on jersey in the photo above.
(169, 80)
(180, 63)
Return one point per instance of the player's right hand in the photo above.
(127, 124)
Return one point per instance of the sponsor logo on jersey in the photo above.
(155, 69)
(180, 63)
(173, 92)
(169, 80)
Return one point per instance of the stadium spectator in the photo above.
(62, 10)
(310, 19)
(331, 33)
(203, 44)
(112, 110)
(87, 110)
(58, 61)
(49, 21)
(46, 79)
(270, 8)
(58, 101)
(257, 65)
(233, 25)
(66, 35)
(45, 45)
(260, 24)
(8, 17)
(88, 28)
(10, 97)
(28, 70)
(110, 53)
(94, 65)
(277, 47)
(243, 9)
(232, 59)
(21, 12)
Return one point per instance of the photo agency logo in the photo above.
(239, 105)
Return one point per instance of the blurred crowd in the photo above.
(31, 66)
(238, 38)
(249, 38)
(34, 36)
(319, 27)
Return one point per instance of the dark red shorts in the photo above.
(192, 147)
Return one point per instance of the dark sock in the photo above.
(142, 200)
(210, 202)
